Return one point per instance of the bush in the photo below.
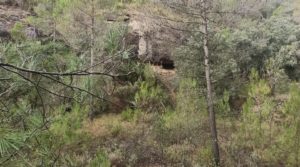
(223, 106)
(188, 120)
(189, 97)
(150, 98)
(18, 32)
(130, 114)
(113, 40)
(176, 127)
(149, 75)
(250, 145)
(67, 126)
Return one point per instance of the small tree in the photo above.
(202, 20)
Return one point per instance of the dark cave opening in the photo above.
(167, 64)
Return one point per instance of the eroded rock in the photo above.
(156, 42)
(12, 2)
(4, 34)
(9, 15)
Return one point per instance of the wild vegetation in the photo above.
(147, 83)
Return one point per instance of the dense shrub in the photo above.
(150, 98)
(67, 126)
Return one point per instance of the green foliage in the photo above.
(255, 131)
(122, 58)
(149, 75)
(177, 154)
(101, 159)
(266, 133)
(39, 56)
(276, 76)
(258, 88)
(189, 97)
(150, 98)
(130, 114)
(292, 133)
(292, 105)
(236, 50)
(274, 37)
(258, 107)
(179, 126)
(186, 122)
(116, 130)
(67, 127)
(150, 95)
(11, 141)
(223, 106)
(205, 157)
(114, 40)
(191, 66)
(18, 32)
(18, 130)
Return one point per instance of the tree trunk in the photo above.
(212, 119)
(92, 45)
(54, 25)
(92, 34)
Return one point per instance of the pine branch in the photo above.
(78, 73)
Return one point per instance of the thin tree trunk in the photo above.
(212, 119)
(54, 25)
(92, 34)
(92, 44)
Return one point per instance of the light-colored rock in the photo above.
(156, 41)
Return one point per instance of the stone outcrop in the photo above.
(156, 41)
(12, 2)
(152, 41)
(9, 15)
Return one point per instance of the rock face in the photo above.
(12, 2)
(9, 15)
(156, 42)
(153, 41)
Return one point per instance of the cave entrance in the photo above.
(167, 64)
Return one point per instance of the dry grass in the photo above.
(105, 125)
(297, 11)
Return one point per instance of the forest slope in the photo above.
(124, 83)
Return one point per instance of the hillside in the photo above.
(149, 83)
